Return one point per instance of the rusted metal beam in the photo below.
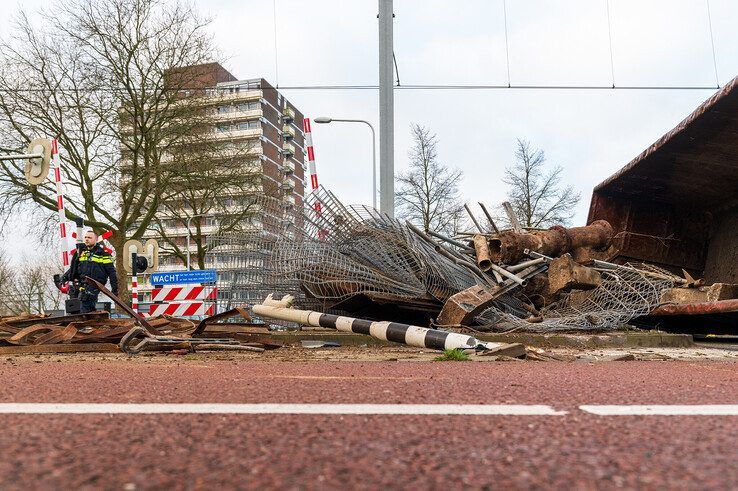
(125, 308)
(702, 308)
(213, 319)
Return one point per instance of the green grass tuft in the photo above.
(453, 355)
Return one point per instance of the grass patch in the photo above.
(453, 355)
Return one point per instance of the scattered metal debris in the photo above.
(353, 260)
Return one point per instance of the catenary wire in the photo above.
(402, 87)
(609, 36)
(712, 42)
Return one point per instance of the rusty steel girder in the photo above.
(509, 247)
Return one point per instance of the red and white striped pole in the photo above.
(312, 169)
(311, 160)
(134, 292)
(134, 283)
(60, 202)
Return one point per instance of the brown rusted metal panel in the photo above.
(667, 235)
(722, 255)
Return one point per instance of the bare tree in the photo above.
(28, 287)
(215, 188)
(536, 196)
(100, 80)
(428, 193)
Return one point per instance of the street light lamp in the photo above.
(325, 120)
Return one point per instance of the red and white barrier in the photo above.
(60, 203)
(182, 309)
(185, 292)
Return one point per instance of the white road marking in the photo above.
(664, 410)
(412, 409)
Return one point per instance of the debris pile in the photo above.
(354, 260)
(96, 331)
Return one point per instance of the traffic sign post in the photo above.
(184, 277)
(190, 299)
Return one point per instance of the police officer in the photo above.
(93, 261)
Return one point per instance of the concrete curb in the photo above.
(558, 340)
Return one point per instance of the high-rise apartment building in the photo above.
(244, 114)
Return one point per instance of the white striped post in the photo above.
(421, 337)
(60, 202)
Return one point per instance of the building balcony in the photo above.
(231, 115)
(288, 184)
(288, 149)
(237, 134)
(288, 115)
(288, 168)
(288, 132)
(224, 94)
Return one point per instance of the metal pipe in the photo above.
(509, 247)
(479, 227)
(451, 241)
(507, 274)
(469, 265)
(489, 218)
(17, 156)
(521, 266)
(482, 252)
(448, 254)
(410, 335)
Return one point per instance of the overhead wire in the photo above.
(401, 87)
(276, 59)
(712, 42)
(507, 44)
(609, 36)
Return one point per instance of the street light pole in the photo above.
(386, 110)
(325, 120)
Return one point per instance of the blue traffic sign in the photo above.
(181, 277)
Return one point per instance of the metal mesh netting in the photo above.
(338, 252)
(625, 293)
(329, 253)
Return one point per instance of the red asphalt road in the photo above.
(579, 450)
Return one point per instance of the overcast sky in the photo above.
(590, 133)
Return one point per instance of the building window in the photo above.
(223, 128)
(243, 126)
(254, 124)
(224, 109)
